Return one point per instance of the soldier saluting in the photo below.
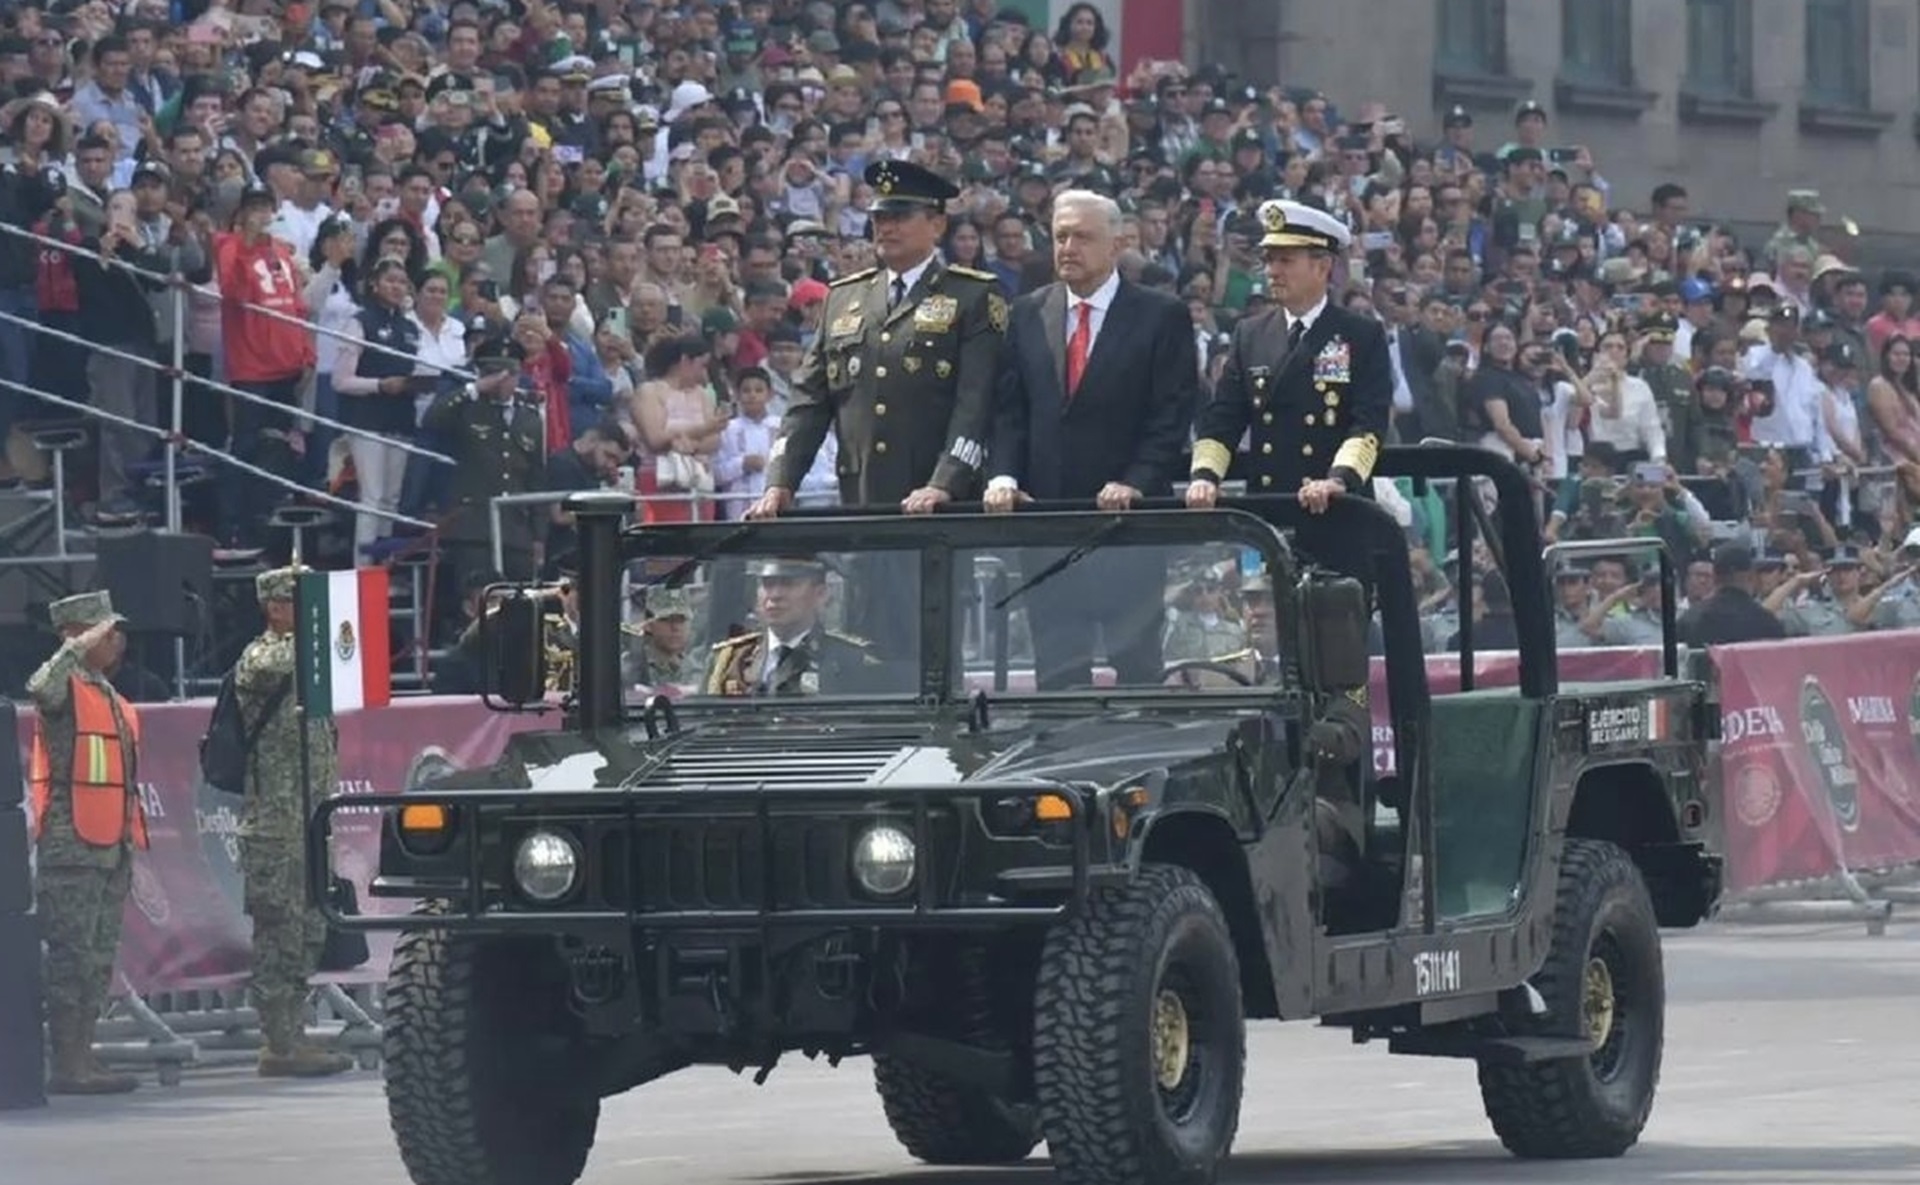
(903, 366)
(87, 819)
(1311, 380)
(288, 932)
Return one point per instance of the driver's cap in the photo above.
(791, 568)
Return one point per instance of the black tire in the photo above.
(1104, 976)
(943, 1122)
(1595, 1106)
(468, 1097)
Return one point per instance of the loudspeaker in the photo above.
(161, 582)
(13, 779)
(16, 875)
(23, 1063)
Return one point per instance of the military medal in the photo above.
(833, 371)
(846, 324)
(853, 367)
(936, 314)
(943, 368)
(911, 363)
(1335, 363)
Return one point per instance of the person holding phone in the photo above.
(374, 377)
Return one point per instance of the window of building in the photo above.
(1596, 42)
(1473, 37)
(1837, 71)
(1720, 48)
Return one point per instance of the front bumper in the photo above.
(738, 859)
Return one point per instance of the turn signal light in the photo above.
(1051, 808)
(424, 817)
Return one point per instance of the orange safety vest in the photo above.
(106, 805)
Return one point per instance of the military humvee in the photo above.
(1045, 914)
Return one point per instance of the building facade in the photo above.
(1738, 100)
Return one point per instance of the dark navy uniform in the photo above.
(1316, 409)
(907, 383)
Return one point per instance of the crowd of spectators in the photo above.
(647, 200)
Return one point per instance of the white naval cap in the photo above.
(1290, 224)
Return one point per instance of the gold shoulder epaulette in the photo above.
(854, 278)
(736, 640)
(973, 273)
(849, 639)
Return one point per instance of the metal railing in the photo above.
(174, 436)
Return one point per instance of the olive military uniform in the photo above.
(820, 662)
(288, 932)
(905, 374)
(1315, 391)
(499, 447)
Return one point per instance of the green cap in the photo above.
(1806, 200)
(276, 584)
(668, 602)
(83, 610)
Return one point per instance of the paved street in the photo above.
(1793, 1055)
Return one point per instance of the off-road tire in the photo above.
(943, 1122)
(1106, 1119)
(1595, 1106)
(463, 1098)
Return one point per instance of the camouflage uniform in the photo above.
(1192, 638)
(288, 932)
(81, 889)
(647, 661)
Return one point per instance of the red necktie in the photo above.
(1077, 348)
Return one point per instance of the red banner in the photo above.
(1820, 756)
(185, 928)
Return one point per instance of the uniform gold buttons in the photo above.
(880, 409)
(1267, 447)
(1306, 450)
(1309, 419)
(1266, 479)
(879, 372)
(879, 446)
(886, 337)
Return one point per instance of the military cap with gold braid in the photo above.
(900, 187)
(1290, 224)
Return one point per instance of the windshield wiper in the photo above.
(678, 573)
(1079, 552)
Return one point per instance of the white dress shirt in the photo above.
(743, 437)
(911, 277)
(1796, 421)
(1310, 316)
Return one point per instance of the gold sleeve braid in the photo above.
(1212, 456)
(1358, 453)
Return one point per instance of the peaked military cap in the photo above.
(791, 568)
(1290, 224)
(901, 186)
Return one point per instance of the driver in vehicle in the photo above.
(793, 653)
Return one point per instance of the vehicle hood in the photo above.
(799, 753)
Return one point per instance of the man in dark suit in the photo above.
(1098, 380)
(1311, 380)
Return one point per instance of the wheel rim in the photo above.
(1172, 1040)
(1605, 1010)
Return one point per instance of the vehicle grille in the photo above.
(723, 764)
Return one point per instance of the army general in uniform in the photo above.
(82, 769)
(903, 369)
(903, 366)
(1311, 380)
(288, 932)
(500, 448)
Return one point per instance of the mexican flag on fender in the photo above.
(345, 657)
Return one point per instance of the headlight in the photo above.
(883, 860)
(546, 866)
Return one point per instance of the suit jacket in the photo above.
(1322, 408)
(910, 390)
(1129, 420)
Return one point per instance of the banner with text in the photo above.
(1820, 756)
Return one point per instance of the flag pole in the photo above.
(302, 669)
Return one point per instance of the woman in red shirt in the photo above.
(265, 355)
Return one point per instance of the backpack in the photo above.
(229, 742)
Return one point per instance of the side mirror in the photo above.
(513, 641)
(1333, 634)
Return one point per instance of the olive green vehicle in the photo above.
(1045, 915)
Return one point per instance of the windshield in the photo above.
(895, 609)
